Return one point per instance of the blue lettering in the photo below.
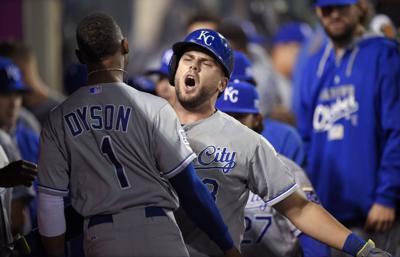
(108, 117)
(223, 159)
(96, 117)
(82, 117)
(208, 154)
(73, 124)
(123, 118)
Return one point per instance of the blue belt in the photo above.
(149, 211)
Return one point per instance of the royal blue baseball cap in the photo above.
(239, 97)
(163, 68)
(323, 3)
(10, 78)
(292, 32)
(242, 69)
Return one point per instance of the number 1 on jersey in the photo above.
(107, 149)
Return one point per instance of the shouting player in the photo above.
(233, 159)
(117, 151)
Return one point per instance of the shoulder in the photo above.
(231, 125)
(378, 43)
(144, 101)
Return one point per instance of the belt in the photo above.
(150, 211)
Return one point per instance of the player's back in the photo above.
(110, 138)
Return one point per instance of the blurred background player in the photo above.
(41, 98)
(349, 119)
(232, 165)
(128, 186)
(19, 141)
(267, 232)
(163, 88)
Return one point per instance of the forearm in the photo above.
(313, 220)
(54, 246)
(51, 223)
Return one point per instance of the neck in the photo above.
(100, 74)
(190, 115)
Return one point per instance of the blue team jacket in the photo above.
(349, 119)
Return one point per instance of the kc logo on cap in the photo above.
(205, 37)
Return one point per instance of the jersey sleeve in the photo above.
(171, 147)
(389, 132)
(52, 166)
(269, 177)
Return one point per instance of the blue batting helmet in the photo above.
(163, 68)
(243, 69)
(212, 42)
(238, 97)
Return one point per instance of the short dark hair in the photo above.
(235, 34)
(15, 50)
(203, 16)
(98, 36)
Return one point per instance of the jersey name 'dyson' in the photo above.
(98, 117)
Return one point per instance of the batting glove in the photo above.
(369, 250)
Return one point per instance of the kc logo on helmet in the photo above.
(205, 37)
(231, 94)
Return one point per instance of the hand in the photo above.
(233, 252)
(369, 250)
(18, 173)
(380, 218)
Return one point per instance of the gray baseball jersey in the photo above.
(269, 233)
(5, 207)
(112, 147)
(232, 159)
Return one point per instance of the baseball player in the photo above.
(267, 232)
(116, 151)
(232, 159)
(349, 119)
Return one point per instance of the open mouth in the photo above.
(190, 81)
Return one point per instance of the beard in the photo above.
(193, 101)
(343, 37)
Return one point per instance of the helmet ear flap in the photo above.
(173, 65)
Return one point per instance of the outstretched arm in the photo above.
(313, 220)
(316, 222)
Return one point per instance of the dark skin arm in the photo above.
(54, 246)
(18, 173)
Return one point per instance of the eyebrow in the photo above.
(202, 59)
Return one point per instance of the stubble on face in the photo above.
(194, 100)
(340, 22)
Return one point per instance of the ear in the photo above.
(125, 46)
(222, 84)
(80, 57)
